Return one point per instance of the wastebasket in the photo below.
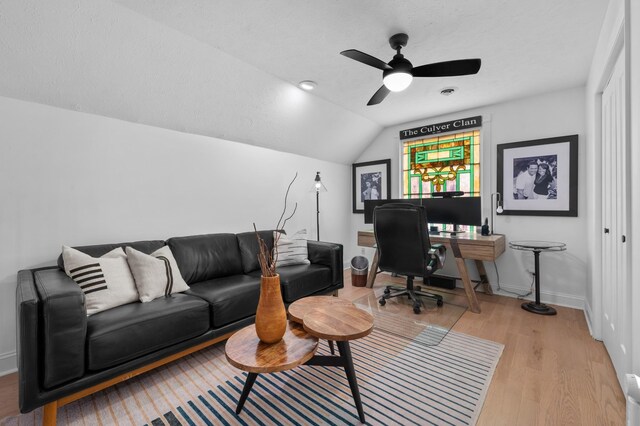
(359, 271)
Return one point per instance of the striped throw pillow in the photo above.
(156, 275)
(292, 250)
(105, 281)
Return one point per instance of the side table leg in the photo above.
(333, 351)
(345, 354)
(251, 378)
(537, 307)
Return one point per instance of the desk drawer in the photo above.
(366, 239)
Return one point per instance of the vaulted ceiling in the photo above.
(229, 69)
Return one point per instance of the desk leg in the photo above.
(373, 271)
(483, 277)
(468, 286)
(248, 384)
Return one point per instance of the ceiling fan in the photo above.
(399, 72)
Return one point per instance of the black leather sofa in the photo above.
(64, 355)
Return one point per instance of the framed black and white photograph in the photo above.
(371, 181)
(539, 177)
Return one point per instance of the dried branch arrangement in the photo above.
(268, 258)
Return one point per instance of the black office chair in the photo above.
(404, 248)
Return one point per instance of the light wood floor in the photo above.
(551, 371)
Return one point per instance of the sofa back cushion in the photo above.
(248, 244)
(147, 247)
(204, 257)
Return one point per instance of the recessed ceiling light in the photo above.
(448, 91)
(307, 85)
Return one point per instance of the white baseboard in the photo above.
(588, 316)
(560, 299)
(8, 363)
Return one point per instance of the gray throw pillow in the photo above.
(292, 250)
(105, 281)
(155, 275)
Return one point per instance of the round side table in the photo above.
(537, 247)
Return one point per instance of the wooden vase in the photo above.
(271, 316)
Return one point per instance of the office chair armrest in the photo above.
(437, 255)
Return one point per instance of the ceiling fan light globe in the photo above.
(397, 81)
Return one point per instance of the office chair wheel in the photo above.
(382, 301)
(439, 302)
(416, 309)
(387, 290)
(417, 288)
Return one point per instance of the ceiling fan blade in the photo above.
(365, 59)
(379, 96)
(448, 68)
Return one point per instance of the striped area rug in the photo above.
(401, 382)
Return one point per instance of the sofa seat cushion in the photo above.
(298, 281)
(231, 298)
(130, 331)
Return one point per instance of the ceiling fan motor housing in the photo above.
(399, 64)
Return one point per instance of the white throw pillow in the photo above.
(157, 274)
(105, 281)
(292, 250)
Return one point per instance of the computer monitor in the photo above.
(369, 205)
(453, 211)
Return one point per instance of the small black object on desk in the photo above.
(537, 247)
(485, 228)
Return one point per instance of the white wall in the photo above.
(74, 178)
(563, 275)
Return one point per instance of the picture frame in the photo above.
(539, 177)
(371, 181)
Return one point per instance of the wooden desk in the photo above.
(463, 246)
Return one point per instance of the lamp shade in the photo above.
(397, 81)
(318, 186)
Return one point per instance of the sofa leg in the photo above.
(335, 293)
(50, 414)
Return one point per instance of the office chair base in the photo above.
(411, 294)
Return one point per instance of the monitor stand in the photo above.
(451, 233)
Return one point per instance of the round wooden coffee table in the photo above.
(312, 318)
(245, 351)
(299, 308)
(338, 322)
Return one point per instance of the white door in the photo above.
(616, 289)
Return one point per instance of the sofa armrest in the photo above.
(28, 347)
(328, 254)
(63, 325)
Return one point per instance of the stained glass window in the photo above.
(442, 163)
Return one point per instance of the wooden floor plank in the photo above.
(551, 370)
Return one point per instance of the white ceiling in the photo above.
(228, 68)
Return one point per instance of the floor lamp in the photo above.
(318, 187)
